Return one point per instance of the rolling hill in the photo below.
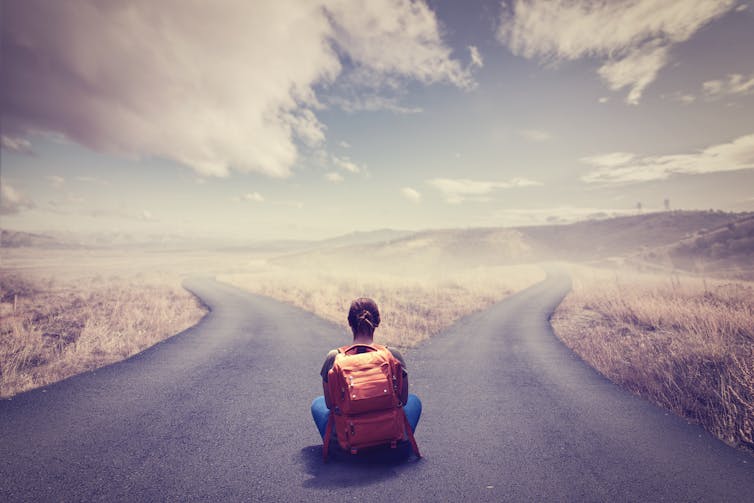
(712, 241)
(726, 249)
(675, 238)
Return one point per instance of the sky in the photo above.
(256, 120)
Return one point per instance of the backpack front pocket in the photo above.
(368, 391)
(367, 430)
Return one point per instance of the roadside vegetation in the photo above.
(413, 306)
(685, 343)
(51, 329)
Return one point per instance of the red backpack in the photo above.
(366, 408)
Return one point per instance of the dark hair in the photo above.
(363, 315)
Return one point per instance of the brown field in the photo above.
(413, 306)
(50, 329)
(685, 343)
(63, 312)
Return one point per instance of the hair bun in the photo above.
(366, 317)
(363, 311)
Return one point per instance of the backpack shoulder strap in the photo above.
(371, 347)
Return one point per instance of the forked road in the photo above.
(221, 412)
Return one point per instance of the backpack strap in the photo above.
(328, 435)
(369, 347)
(410, 434)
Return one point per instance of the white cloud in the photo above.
(388, 38)
(535, 135)
(12, 201)
(620, 167)
(344, 144)
(147, 216)
(603, 99)
(346, 164)
(713, 87)
(476, 57)
(221, 86)
(636, 70)
(15, 144)
(334, 177)
(306, 126)
(631, 38)
(387, 49)
(254, 197)
(734, 84)
(684, 98)
(457, 190)
(608, 160)
(411, 194)
(361, 102)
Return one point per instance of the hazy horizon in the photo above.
(282, 120)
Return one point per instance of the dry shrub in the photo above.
(413, 307)
(51, 331)
(685, 343)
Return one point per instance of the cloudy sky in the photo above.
(307, 119)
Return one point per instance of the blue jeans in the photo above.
(320, 412)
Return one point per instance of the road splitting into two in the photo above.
(221, 411)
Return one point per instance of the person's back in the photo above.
(375, 415)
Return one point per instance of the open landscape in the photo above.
(550, 201)
(679, 336)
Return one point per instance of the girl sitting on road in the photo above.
(363, 318)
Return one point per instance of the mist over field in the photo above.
(436, 156)
(71, 306)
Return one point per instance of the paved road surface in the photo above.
(221, 412)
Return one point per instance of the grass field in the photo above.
(413, 306)
(66, 312)
(685, 343)
(63, 312)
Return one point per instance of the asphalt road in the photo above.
(221, 412)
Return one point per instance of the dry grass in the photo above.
(413, 306)
(685, 343)
(50, 330)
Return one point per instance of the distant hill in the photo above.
(728, 248)
(124, 240)
(593, 240)
(620, 236)
(364, 237)
(425, 250)
(691, 240)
